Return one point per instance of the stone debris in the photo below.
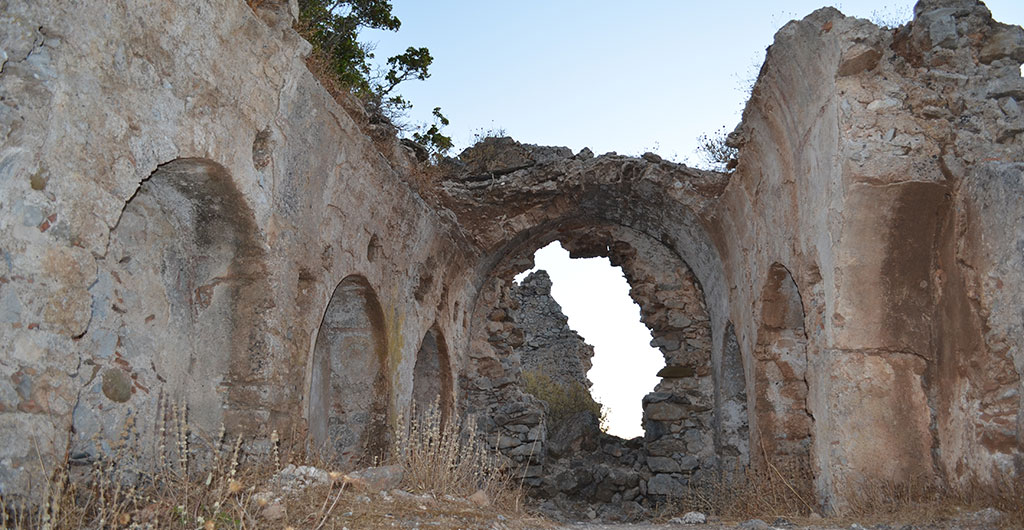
(690, 518)
(294, 478)
(381, 478)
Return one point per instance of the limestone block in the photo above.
(858, 58)
(1007, 41)
(665, 411)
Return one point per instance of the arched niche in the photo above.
(349, 387)
(432, 376)
(783, 423)
(731, 405)
(179, 303)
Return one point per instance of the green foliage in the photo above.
(333, 26)
(431, 139)
(563, 400)
(714, 152)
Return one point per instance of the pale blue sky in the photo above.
(613, 76)
(629, 77)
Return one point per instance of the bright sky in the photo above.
(625, 365)
(630, 77)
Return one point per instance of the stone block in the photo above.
(1005, 42)
(662, 484)
(665, 411)
(662, 464)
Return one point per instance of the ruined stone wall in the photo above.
(549, 346)
(180, 201)
(187, 217)
(868, 156)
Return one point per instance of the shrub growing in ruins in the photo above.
(563, 401)
(431, 138)
(715, 153)
(333, 26)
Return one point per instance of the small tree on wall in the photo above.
(333, 26)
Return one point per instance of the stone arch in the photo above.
(782, 422)
(522, 197)
(350, 391)
(180, 302)
(680, 413)
(432, 375)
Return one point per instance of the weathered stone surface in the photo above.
(1007, 41)
(663, 484)
(579, 433)
(665, 411)
(375, 479)
(549, 346)
(166, 242)
(661, 464)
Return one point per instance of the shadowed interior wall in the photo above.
(432, 376)
(783, 424)
(177, 304)
(349, 390)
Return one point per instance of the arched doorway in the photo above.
(349, 387)
(680, 443)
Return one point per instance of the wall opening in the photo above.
(616, 362)
(349, 387)
(672, 395)
(432, 376)
(783, 422)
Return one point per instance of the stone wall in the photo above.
(549, 346)
(861, 161)
(187, 220)
(178, 212)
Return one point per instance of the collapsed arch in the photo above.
(349, 386)
(432, 375)
(682, 439)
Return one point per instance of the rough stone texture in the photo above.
(179, 213)
(549, 345)
(872, 174)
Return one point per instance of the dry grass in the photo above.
(193, 483)
(450, 458)
(783, 491)
(922, 501)
(188, 482)
(786, 492)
